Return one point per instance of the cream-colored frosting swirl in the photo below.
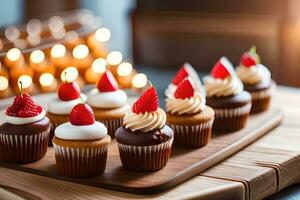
(253, 74)
(145, 122)
(223, 87)
(191, 105)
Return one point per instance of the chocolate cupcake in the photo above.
(144, 140)
(189, 117)
(24, 135)
(68, 96)
(108, 102)
(226, 96)
(81, 145)
(257, 80)
(185, 71)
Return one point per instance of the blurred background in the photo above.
(162, 35)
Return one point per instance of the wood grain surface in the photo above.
(265, 167)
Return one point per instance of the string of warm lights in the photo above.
(83, 56)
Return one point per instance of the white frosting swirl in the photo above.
(113, 99)
(68, 131)
(170, 90)
(223, 87)
(145, 122)
(21, 120)
(254, 74)
(59, 107)
(191, 105)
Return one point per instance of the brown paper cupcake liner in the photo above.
(192, 136)
(112, 125)
(261, 99)
(80, 162)
(145, 158)
(228, 120)
(55, 122)
(23, 148)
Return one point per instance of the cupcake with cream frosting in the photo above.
(256, 79)
(144, 140)
(185, 71)
(188, 116)
(81, 145)
(24, 135)
(226, 96)
(68, 96)
(108, 102)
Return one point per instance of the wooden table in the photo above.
(263, 168)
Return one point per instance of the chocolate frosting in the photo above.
(233, 101)
(263, 85)
(139, 138)
(26, 129)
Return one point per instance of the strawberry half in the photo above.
(148, 102)
(248, 60)
(82, 115)
(184, 90)
(180, 75)
(107, 82)
(69, 91)
(220, 70)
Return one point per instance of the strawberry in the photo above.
(82, 115)
(184, 90)
(180, 75)
(17, 104)
(107, 82)
(219, 71)
(248, 60)
(148, 102)
(69, 91)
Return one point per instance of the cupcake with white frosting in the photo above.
(108, 102)
(24, 135)
(188, 116)
(226, 96)
(256, 79)
(144, 140)
(185, 71)
(81, 145)
(59, 108)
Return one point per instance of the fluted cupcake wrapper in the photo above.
(261, 99)
(228, 120)
(23, 148)
(80, 162)
(112, 125)
(192, 136)
(145, 158)
(55, 123)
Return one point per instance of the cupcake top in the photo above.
(68, 96)
(145, 115)
(107, 95)
(185, 71)
(223, 80)
(250, 70)
(82, 125)
(185, 99)
(23, 111)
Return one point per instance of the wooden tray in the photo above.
(183, 164)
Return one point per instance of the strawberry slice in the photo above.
(180, 75)
(184, 90)
(69, 91)
(82, 115)
(148, 102)
(248, 60)
(222, 69)
(107, 82)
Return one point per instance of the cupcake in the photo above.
(226, 96)
(68, 96)
(256, 79)
(185, 71)
(81, 145)
(25, 133)
(108, 102)
(145, 141)
(188, 116)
